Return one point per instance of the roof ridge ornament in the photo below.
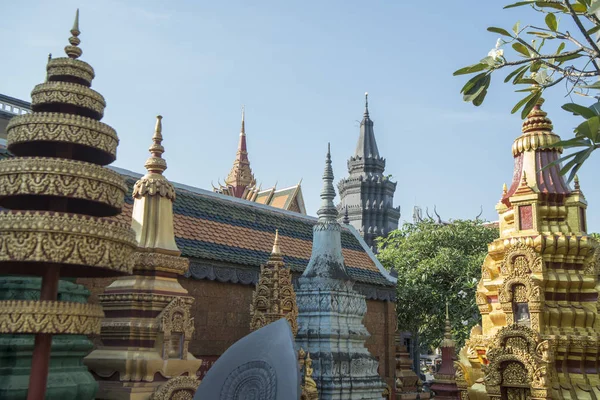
(156, 164)
(366, 104)
(72, 50)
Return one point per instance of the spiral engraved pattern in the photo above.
(255, 380)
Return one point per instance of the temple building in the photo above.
(538, 293)
(241, 183)
(367, 194)
(10, 107)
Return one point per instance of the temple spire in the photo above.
(243, 129)
(276, 254)
(327, 212)
(156, 164)
(72, 50)
(366, 148)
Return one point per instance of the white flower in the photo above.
(474, 280)
(465, 322)
(462, 294)
(497, 52)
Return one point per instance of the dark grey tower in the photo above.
(367, 192)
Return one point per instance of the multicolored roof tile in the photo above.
(224, 229)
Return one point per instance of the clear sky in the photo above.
(301, 68)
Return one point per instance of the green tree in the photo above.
(561, 48)
(437, 263)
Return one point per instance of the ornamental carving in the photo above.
(154, 184)
(180, 388)
(70, 67)
(67, 239)
(592, 263)
(52, 317)
(68, 93)
(150, 261)
(257, 378)
(62, 178)
(308, 387)
(69, 128)
(175, 320)
(274, 297)
(517, 357)
(521, 260)
(532, 289)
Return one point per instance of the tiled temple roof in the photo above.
(226, 231)
(210, 226)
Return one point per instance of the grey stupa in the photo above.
(260, 366)
(330, 313)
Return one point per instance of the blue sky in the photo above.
(301, 68)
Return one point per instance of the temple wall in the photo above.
(221, 314)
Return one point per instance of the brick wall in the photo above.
(221, 314)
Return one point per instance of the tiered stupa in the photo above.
(538, 294)
(148, 326)
(444, 380)
(274, 296)
(330, 313)
(57, 191)
(367, 194)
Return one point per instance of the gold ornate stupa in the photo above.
(56, 190)
(274, 297)
(538, 294)
(148, 325)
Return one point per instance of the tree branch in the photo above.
(567, 3)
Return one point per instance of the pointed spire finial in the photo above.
(72, 50)
(576, 179)
(327, 212)
(504, 189)
(156, 164)
(346, 217)
(448, 341)
(447, 313)
(276, 255)
(366, 104)
(243, 130)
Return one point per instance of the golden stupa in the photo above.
(148, 325)
(56, 191)
(538, 293)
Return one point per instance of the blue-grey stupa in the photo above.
(330, 313)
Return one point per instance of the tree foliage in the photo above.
(541, 57)
(437, 263)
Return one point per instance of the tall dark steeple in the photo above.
(367, 193)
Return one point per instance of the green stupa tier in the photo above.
(68, 378)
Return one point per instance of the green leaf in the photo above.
(561, 47)
(594, 7)
(551, 22)
(589, 129)
(593, 30)
(470, 69)
(551, 4)
(520, 75)
(530, 104)
(579, 8)
(474, 91)
(519, 47)
(595, 85)
(535, 66)
(515, 72)
(542, 35)
(516, 28)
(479, 99)
(519, 4)
(499, 30)
(577, 109)
(489, 60)
(472, 82)
(521, 103)
(567, 144)
(562, 59)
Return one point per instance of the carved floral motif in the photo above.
(180, 388)
(68, 93)
(53, 317)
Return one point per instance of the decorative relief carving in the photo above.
(514, 374)
(69, 93)
(56, 127)
(154, 184)
(176, 319)
(520, 260)
(180, 388)
(53, 317)
(150, 261)
(66, 238)
(64, 66)
(255, 378)
(64, 178)
(532, 289)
